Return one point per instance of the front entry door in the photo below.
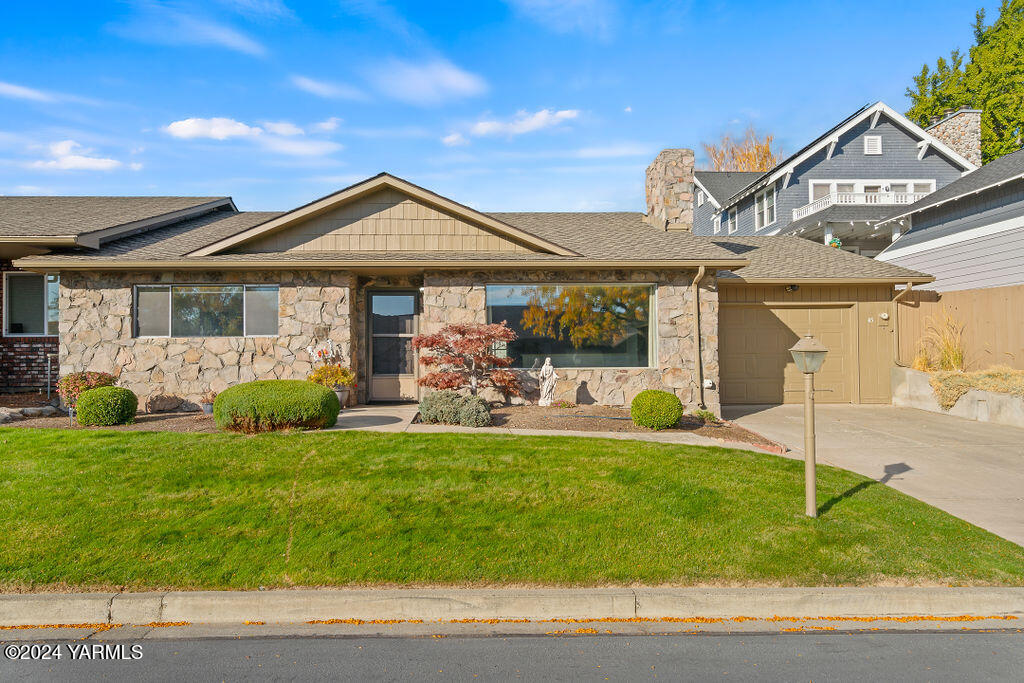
(392, 325)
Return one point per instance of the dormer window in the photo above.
(872, 144)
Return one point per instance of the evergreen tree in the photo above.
(991, 80)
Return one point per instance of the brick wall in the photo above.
(23, 359)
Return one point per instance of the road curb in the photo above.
(290, 606)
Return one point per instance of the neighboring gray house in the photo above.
(970, 233)
(844, 182)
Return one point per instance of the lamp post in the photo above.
(809, 354)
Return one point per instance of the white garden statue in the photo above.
(548, 377)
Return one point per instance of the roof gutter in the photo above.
(48, 241)
(921, 280)
(41, 264)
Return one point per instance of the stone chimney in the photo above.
(961, 130)
(669, 189)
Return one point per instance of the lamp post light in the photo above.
(809, 354)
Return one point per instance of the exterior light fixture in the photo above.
(809, 355)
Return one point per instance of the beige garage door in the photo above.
(756, 366)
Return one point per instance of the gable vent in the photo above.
(872, 144)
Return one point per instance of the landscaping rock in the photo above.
(162, 403)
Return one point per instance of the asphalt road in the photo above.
(903, 656)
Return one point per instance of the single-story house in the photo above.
(970, 233)
(620, 301)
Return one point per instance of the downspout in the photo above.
(698, 365)
(896, 319)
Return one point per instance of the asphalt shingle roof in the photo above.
(724, 184)
(596, 236)
(60, 216)
(788, 257)
(1003, 168)
(840, 214)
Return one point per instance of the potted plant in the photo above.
(335, 376)
(206, 401)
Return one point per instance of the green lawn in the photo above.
(156, 510)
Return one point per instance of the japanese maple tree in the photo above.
(462, 355)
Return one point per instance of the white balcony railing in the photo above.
(848, 198)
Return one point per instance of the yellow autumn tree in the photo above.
(599, 316)
(749, 153)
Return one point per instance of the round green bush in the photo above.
(106, 406)
(449, 407)
(656, 409)
(274, 404)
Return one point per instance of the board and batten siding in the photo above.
(387, 220)
(993, 328)
(849, 316)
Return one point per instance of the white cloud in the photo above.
(523, 122)
(135, 166)
(166, 25)
(282, 137)
(285, 128)
(628, 110)
(426, 83)
(454, 140)
(590, 17)
(216, 128)
(327, 89)
(20, 92)
(68, 155)
(302, 148)
(327, 125)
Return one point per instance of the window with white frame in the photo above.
(873, 144)
(700, 198)
(717, 223)
(733, 222)
(764, 208)
(206, 310)
(31, 304)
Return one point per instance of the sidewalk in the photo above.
(399, 418)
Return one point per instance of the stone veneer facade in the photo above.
(97, 331)
(461, 297)
(669, 190)
(961, 130)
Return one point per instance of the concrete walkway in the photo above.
(973, 470)
(399, 418)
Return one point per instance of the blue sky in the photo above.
(516, 105)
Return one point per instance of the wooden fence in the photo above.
(992, 320)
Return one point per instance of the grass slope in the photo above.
(156, 510)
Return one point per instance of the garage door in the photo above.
(756, 366)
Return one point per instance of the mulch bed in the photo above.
(25, 399)
(156, 422)
(611, 419)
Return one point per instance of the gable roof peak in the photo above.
(373, 184)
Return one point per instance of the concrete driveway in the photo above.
(973, 470)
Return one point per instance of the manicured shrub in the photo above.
(106, 406)
(451, 408)
(706, 416)
(71, 386)
(271, 405)
(656, 409)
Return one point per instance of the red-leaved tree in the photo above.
(462, 355)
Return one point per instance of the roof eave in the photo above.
(41, 264)
(739, 279)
